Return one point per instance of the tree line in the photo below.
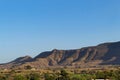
(62, 75)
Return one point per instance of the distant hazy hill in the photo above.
(103, 54)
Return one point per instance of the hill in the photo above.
(102, 54)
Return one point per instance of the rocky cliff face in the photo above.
(103, 54)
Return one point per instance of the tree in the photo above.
(63, 75)
(33, 76)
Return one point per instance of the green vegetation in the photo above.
(63, 75)
(60, 75)
(20, 77)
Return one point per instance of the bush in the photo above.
(3, 77)
(33, 76)
(20, 77)
(63, 76)
(49, 76)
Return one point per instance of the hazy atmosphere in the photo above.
(29, 27)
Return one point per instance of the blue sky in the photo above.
(28, 27)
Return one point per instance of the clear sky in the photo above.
(28, 27)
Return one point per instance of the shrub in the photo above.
(63, 75)
(33, 76)
(49, 76)
(20, 77)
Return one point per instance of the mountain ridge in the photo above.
(102, 54)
